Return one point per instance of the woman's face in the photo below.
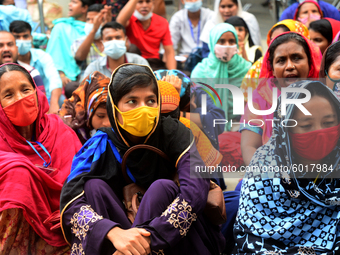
(227, 38)
(241, 33)
(137, 97)
(277, 32)
(333, 72)
(307, 9)
(290, 62)
(319, 40)
(227, 9)
(14, 86)
(323, 116)
(100, 118)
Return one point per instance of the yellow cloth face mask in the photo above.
(139, 121)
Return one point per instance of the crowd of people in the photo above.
(102, 132)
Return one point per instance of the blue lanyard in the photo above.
(192, 31)
(42, 146)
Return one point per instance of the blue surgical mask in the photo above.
(88, 28)
(193, 6)
(115, 48)
(24, 46)
(336, 86)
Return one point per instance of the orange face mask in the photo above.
(23, 112)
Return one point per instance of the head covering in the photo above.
(263, 94)
(249, 46)
(249, 18)
(315, 61)
(109, 145)
(293, 26)
(335, 24)
(308, 1)
(284, 202)
(170, 96)
(77, 111)
(213, 71)
(209, 155)
(18, 167)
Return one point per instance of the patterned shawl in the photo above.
(263, 94)
(282, 213)
(77, 112)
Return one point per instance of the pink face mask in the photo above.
(225, 53)
(312, 17)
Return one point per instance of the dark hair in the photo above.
(95, 8)
(239, 22)
(129, 77)
(284, 39)
(319, 89)
(86, 3)
(323, 27)
(283, 27)
(234, 1)
(114, 25)
(19, 26)
(14, 67)
(331, 55)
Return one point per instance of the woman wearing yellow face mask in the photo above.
(170, 217)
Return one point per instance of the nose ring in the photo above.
(293, 66)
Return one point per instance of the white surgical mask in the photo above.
(225, 52)
(193, 6)
(88, 28)
(141, 17)
(115, 48)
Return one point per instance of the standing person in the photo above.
(114, 40)
(170, 218)
(147, 31)
(89, 48)
(323, 32)
(328, 10)
(222, 66)
(290, 57)
(247, 49)
(307, 12)
(9, 54)
(63, 34)
(85, 112)
(36, 152)
(187, 24)
(224, 9)
(294, 212)
(40, 60)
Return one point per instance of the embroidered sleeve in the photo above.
(180, 215)
(81, 221)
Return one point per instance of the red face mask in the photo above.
(23, 112)
(317, 144)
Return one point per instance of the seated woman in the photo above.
(280, 67)
(36, 152)
(85, 112)
(308, 11)
(223, 10)
(222, 66)
(293, 212)
(170, 218)
(247, 49)
(251, 78)
(329, 70)
(323, 31)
